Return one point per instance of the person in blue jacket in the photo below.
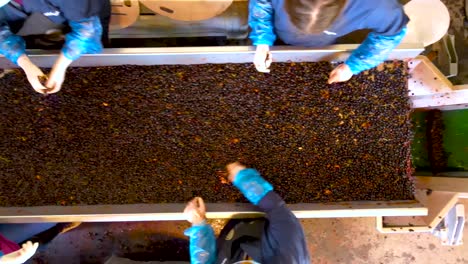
(315, 23)
(86, 20)
(277, 239)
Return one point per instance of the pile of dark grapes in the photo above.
(160, 134)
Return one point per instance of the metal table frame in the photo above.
(425, 92)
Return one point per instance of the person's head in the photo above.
(313, 16)
(4, 2)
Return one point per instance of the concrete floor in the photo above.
(345, 240)
(355, 240)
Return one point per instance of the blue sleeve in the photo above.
(283, 226)
(202, 244)
(252, 185)
(374, 50)
(85, 37)
(282, 223)
(261, 22)
(11, 45)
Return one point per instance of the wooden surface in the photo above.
(188, 10)
(430, 89)
(443, 184)
(438, 194)
(429, 21)
(124, 13)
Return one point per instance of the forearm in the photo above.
(11, 45)
(202, 244)
(259, 192)
(24, 61)
(252, 185)
(374, 50)
(62, 62)
(261, 22)
(282, 223)
(85, 37)
(8, 260)
(281, 218)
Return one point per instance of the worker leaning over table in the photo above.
(86, 20)
(316, 23)
(278, 238)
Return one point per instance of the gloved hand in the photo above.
(57, 75)
(33, 73)
(249, 181)
(20, 256)
(263, 58)
(195, 211)
(342, 73)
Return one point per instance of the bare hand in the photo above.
(57, 75)
(263, 58)
(342, 73)
(195, 211)
(33, 73)
(20, 256)
(55, 80)
(233, 169)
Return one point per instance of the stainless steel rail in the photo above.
(202, 55)
(153, 212)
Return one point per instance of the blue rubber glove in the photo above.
(252, 185)
(261, 22)
(11, 45)
(374, 50)
(85, 37)
(202, 244)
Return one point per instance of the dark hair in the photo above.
(313, 16)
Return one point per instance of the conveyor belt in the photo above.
(159, 56)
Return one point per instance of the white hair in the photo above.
(4, 2)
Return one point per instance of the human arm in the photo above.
(385, 36)
(85, 37)
(13, 48)
(11, 45)
(374, 50)
(262, 32)
(282, 223)
(20, 256)
(249, 182)
(201, 234)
